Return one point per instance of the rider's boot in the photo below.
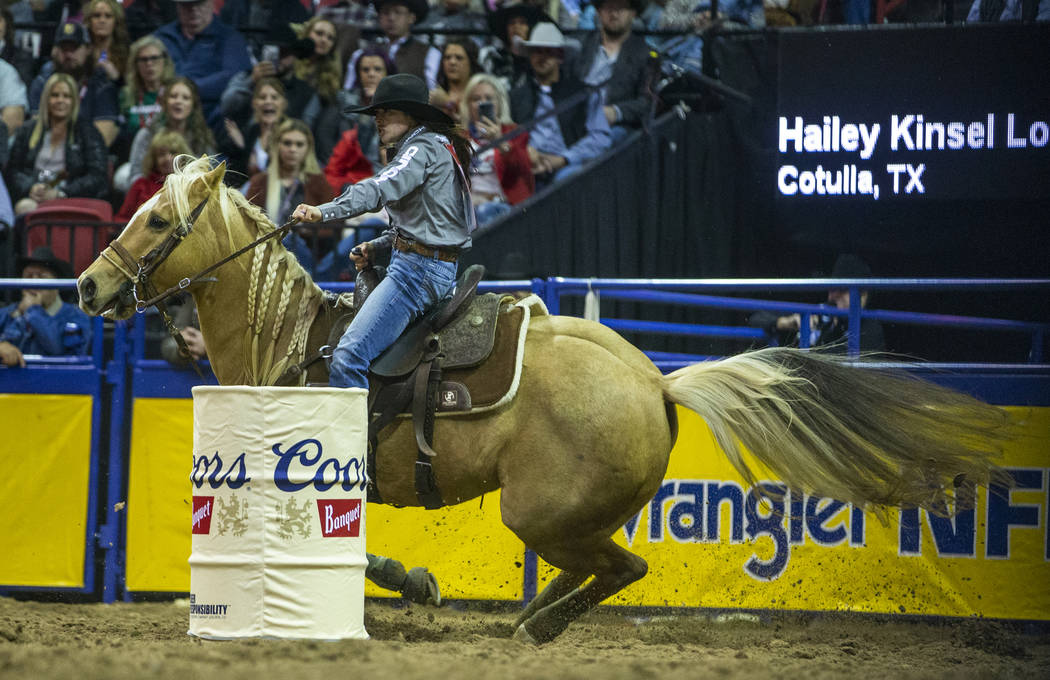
(417, 585)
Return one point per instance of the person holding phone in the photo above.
(501, 176)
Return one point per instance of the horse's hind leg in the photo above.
(618, 569)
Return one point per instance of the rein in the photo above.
(147, 264)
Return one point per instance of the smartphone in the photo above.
(487, 110)
(272, 54)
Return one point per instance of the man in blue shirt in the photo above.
(206, 50)
(558, 145)
(41, 323)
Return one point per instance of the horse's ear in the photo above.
(213, 178)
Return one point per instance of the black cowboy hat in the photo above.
(417, 7)
(499, 19)
(850, 267)
(637, 5)
(288, 42)
(404, 92)
(45, 257)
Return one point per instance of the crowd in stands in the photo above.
(98, 97)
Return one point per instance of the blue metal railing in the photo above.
(694, 293)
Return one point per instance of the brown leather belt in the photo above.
(443, 254)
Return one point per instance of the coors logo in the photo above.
(202, 506)
(339, 516)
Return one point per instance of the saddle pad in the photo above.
(495, 381)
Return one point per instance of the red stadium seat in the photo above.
(77, 229)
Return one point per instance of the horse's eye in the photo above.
(156, 222)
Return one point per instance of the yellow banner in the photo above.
(466, 546)
(708, 542)
(45, 489)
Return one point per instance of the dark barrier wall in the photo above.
(698, 196)
(655, 208)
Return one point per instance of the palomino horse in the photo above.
(585, 442)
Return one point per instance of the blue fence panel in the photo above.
(68, 375)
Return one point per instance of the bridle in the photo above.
(146, 265)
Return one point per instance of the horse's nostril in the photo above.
(87, 289)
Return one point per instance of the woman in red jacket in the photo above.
(501, 176)
(156, 166)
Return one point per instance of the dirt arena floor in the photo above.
(149, 640)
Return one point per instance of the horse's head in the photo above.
(149, 253)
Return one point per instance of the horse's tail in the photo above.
(871, 437)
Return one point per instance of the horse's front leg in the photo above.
(416, 585)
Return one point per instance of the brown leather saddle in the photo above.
(459, 356)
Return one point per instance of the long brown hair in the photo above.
(118, 42)
(324, 73)
(460, 142)
(197, 134)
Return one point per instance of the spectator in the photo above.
(396, 18)
(206, 50)
(459, 61)
(302, 100)
(507, 59)
(97, 94)
(322, 68)
(184, 317)
(558, 145)
(357, 153)
(454, 16)
(1009, 10)
(322, 71)
(500, 176)
(7, 210)
(615, 56)
(145, 16)
(686, 50)
(829, 331)
(158, 164)
(260, 15)
(41, 323)
(293, 174)
(247, 151)
(371, 66)
(181, 112)
(109, 37)
(149, 67)
(60, 155)
(13, 54)
(13, 99)
(292, 177)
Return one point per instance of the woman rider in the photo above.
(426, 193)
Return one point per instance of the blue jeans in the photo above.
(413, 284)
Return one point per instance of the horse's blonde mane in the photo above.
(189, 169)
(262, 365)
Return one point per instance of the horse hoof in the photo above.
(421, 587)
(525, 637)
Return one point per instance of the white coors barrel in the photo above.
(278, 517)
